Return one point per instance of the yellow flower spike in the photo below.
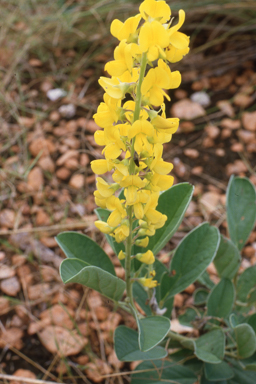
(103, 227)
(121, 255)
(126, 30)
(152, 9)
(146, 258)
(124, 55)
(142, 242)
(101, 166)
(148, 282)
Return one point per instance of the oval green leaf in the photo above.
(76, 271)
(241, 209)
(162, 372)
(211, 346)
(218, 372)
(127, 346)
(191, 258)
(200, 296)
(78, 246)
(227, 259)
(221, 299)
(246, 340)
(152, 330)
(246, 283)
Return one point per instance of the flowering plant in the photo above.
(140, 210)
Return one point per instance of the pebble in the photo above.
(23, 373)
(35, 179)
(63, 173)
(187, 109)
(77, 181)
(6, 271)
(191, 153)
(249, 120)
(7, 218)
(10, 286)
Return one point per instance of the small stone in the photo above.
(62, 341)
(84, 159)
(237, 147)
(55, 94)
(249, 120)
(230, 124)
(186, 127)
(6, 272)
(77, 181)
(54, 116)
(242, 100)
(68, 111)
(43, 146)
(46, 164)
(180, 94)
(201, 98)
(191, 153)
(210, 201)
(197, 170)
(11, 337)
(249, 251)
(226, 107)
(225, 133)
(10, 286)
(208, 142)
(2, 256)
(66, 156)
(7, 218)
(35, 179)
(38, 290)
(178, 300)
(63, 173)
(35, 62)
(72, 142)
(23, 373)
(179, 167)
(27, 122)
(187, 109)
(42, 218)
(72, 164)
(245, 136)
(190, 289)
(212, 131)
(57, 315)
(251, 147)
(4, 305)
(236, 168)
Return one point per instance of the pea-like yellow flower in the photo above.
(121, 255)
(124, 56)
(146, 258)
(142, 242)
(103, 227)
(107, 112)
(126, 30)
(153, 38)
(152, 9)
(121, 233)
(148, 282)
(114, 87)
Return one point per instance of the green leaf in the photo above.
(152, 330)
(217, 372)
(173, 203)
(191, 258)
(240, 375)
(252, 321)
(205, 280)
(187, 317)
(141, 297)
(251, 367)
(227, 260)
(246, 282)
(160, 372)
(205, 381)
(103, 215)
(76, 271)
(78, 246)
(127, 346)
(241, 209)
(210, 347)
(221, 299)
(246, 340)
(200, 296)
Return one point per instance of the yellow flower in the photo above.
(121, 233)
(146, 258)
(103, 227)
(148, 282)
(158, 165)
(153, 38)
(161, 182)
(121, 255)
(152, 9)
(131, 184)
(107, 112)
(124, 55)
(101, 166)
(142, 242)
(126, 30)
(113, 87)
(141, 129)
(104, 188)
(118, 214)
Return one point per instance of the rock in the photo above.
(57, 315)
(220, 152)
(6, 272)
(230, 124)
(236, 168)
(7, 218)
(63, 173)
(55, 94)
(27, 122)
(72, 164)
(249, 120)
(62, 341)
(46, 164)
(42, 218)
(4, 305)
(35, 179)
(212, 131)
(10, 286)
(191, 153)
(210, 201)
(237, 147)
(77, 181)
(201, 98)
(67, 110)
(42, 145)
(23, 373)
(226, 107)
(66, 156)
(178, 300)
(179, 167)
(245, 136)
(187, 109)
(38, 291)
(242, 100)
(11, 337)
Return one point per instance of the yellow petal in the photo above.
(156, 10)
(99, 166)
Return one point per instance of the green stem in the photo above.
(128, 248)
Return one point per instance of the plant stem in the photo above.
(128, 248)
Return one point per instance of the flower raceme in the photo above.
(134, 131)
